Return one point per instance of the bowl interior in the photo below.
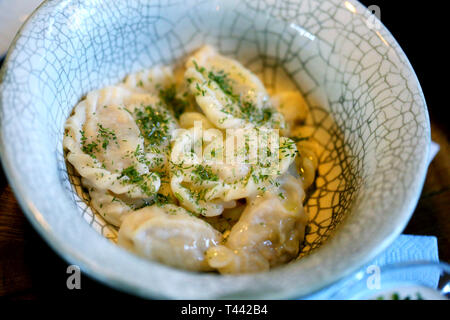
(366, 111)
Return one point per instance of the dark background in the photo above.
(29, 269)
(421, 28)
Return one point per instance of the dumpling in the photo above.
(292, 105)
(187, 120)
(207, 184)
(166, 83)
(116, 146)
(112, 207)
(307, 160)
(170, 235)
(230, 95)
(101, 138)
(268, 233)
(151, 80)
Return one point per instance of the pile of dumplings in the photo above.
(195, 214)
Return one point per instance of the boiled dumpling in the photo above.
(268, 233)
(151, 80)
(308, 150)
(292, 105)
(188, 120)
(166, 83)
(229, 94)
(208, 187)
(170, 235)
(109, 145)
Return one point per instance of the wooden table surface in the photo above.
(29, 269)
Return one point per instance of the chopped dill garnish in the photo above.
(205, 173)
(255, 115)
(221, 79)
(161, 199)
(134, 177)
(200, 91)
(90, 147)
(178, 196)
(132, 174)
(298, 139)
(153, 125)
(105, 135)
(199, 69)
(169, 97)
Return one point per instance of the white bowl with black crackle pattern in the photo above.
(366, 105)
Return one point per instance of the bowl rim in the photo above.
(96, 272)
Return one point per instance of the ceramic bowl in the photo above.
(367, 112)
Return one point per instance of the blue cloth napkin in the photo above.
(406, 248)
